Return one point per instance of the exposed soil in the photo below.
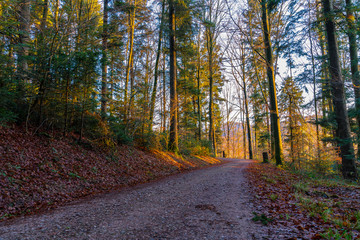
(211, 203)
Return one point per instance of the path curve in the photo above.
(211, 203)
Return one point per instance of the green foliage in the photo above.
(74, 175)
(269, 180)
(8, 107)
(95, 128)
(6, 116)
(272, 4)
(273, 197)
(337, 235)
(301, 187)
(262, 218)
(149, 140)
(60, 86)
(120, 134)
(190, 145)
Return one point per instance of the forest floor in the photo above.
(211, 203)
(77, 191)
(41, 171)
(297, 206)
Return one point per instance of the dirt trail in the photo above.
(212, 203)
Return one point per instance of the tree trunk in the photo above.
(246, 106)
(104, 89)
(173, 139)
(325, 95)
(314, 89)
(198, 88)
(291, 131)
(210, 49)
(354, 62)
(274, 112)
(43, 67)
(164, 96)
(130, 57)
(244, 132)
(338, 95)
(132, 89)
(67, 90)
(227, 124)
(24, 38)
(156, 74)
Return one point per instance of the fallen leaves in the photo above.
(305, 208)
(41, 172)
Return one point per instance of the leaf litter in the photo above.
(299, 207)
(41, 172)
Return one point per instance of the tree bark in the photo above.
(23, 48)
(274, 112)
(210, 49)
(164, 96)
(337, 87)
(354, 58)
(173, 139)
(314, 88)
(104, 92)
(246, 107)
(198, 88)
(42, 65)
(130, 57)
(244, 130)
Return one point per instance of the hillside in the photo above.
(43, 171)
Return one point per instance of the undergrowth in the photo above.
(326, 202)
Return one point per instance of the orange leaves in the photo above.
(42, 172)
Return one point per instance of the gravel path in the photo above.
(212, 203)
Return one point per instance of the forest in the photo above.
(196, 77)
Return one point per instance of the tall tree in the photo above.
(314, 83)
(173, 138)
(212, 21)
(274, 112)
(104, 87)
(290, 99)
(210, 44)
(354, 61)
(246, 101)
(130, 61)
(338, 96)
(198, 95)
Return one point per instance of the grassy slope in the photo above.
(39, 172)
(300, 207)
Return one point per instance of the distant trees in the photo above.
(280, 41)
(153, 73)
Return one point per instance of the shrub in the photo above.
(192, 146)
(7, 115)
(119, 133)
(149, 140)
